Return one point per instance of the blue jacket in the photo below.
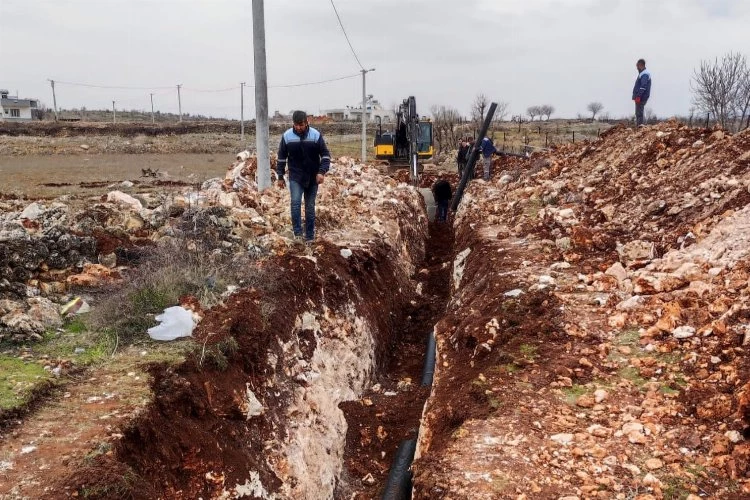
(306, 155)
(487, 147)
(642, 87)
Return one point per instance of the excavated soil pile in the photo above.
(595, 344)
(254, 411)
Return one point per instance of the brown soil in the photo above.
(196, 425)
(379, 422)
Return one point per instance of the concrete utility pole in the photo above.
(54, 97)
(179, 101)
(261, 97)
(114, 115)
(242, 112)
(153, 121)
(364, 114)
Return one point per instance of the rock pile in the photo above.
(614, 274)
(47, 249)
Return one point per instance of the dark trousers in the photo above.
(461, 167)
(639, 113)
(310, 192)
(442, 210)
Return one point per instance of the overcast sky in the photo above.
(563, 52)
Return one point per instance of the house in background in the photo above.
(354, 113)
(14, 109)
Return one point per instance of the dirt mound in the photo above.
(595, 341)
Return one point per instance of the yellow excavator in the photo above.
(410, 143)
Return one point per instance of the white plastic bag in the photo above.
(176, 322)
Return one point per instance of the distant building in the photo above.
(354, 113)
(14, 109)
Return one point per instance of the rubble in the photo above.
(629, 374)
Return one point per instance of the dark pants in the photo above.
(639, 113)
(442, 210)
(297, 191)
(461, 167)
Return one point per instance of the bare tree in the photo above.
(533, 111)
(478, 108)
(546, 110)
(501, 111)
(446, 122)
(721, 88)
(594, 108)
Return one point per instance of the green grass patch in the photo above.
(631, 373)
(629, 337)
(528, 351)
(668, 391)
(573, 393)
(78, 344)
(510, 368)
(18, 378)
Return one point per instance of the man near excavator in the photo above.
(641, 91)
(304, 149)
(488, 149)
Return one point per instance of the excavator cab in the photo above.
(409, 143)
(384, 143)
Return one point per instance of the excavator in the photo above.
(407, 145)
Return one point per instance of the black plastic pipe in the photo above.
(428, 372)
(399, 483)
(473, 155)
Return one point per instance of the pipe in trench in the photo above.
(429, 361)
(399, 483)
(398, 486)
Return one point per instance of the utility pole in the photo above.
(364, 114)
(261, 97)
(114, 115)
(54, 97)
(153, 121)
(242, 112)
(179, 101)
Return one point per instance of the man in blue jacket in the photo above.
(304, 149)
(641, 91)
(488, 149)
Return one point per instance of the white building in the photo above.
(354, 113)
(14, 109)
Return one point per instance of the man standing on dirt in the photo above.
(304, 149)
(641, 91)
(488, 149)
(462, 157)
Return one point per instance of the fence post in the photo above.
(574, 137)
(708, 117)
(546, 139)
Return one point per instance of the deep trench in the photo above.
(390, 413)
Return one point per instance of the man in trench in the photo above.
(442, 192)
(304, 150)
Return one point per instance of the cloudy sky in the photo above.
(563, 52)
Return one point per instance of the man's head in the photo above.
(641, 65)
(300, 121)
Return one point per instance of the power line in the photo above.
(168, 90)
(211, 90)
(91, 85)
(345, 35)
(312, 83)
